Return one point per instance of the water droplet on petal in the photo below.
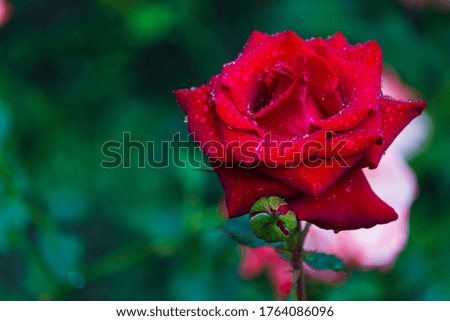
(203, 120)
(350, 144)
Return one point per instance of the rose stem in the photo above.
(298, 282)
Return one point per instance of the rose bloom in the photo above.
(376, 248)
(300, 119)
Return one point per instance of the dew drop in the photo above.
(391, 119)
(185, 119)
(350, 144)
(205, 108)
(203, 120)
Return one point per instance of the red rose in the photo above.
(299, 119)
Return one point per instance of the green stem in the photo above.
(298, 282)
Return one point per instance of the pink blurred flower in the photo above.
(5, 12)
(375, 248)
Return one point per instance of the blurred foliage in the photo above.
(76, 73)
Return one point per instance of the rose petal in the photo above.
(183, 96)
(244, 187)
(337, 41)
(247, 147)
(312, 71)
(395, 115)
(311, 177)
(255, 39)
(331, 103)
(241, 75)
(203, 123)
(294, 116)
(227, 111)
(241, 146)
(359, 72)
(348, 204)
(283, 82)
(318, 73)
(354, 141)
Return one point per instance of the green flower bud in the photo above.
(271, 220)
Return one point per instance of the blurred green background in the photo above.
(76, 73)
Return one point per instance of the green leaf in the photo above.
(240, 230)
(322, 261)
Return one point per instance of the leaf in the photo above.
(322, 261)
(240, 230)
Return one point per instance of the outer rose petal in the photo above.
(309, 177)
(395, 116)
(255, 39)
(337, 41)
(202, 121)
(355, 141)
(412, 138)
(183, 96)
(243, 188)
(348, 204)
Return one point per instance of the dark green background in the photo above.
(77, 73)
